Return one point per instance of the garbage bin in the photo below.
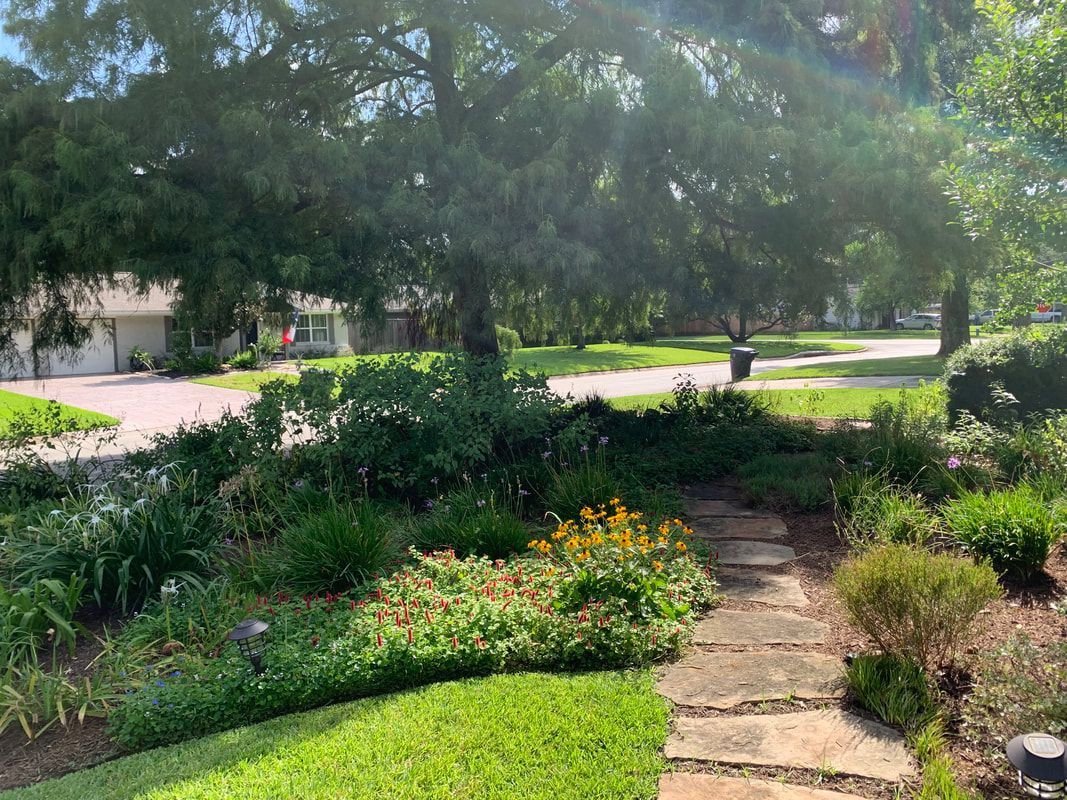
(741, 359)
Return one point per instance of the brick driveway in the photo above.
(140, 402)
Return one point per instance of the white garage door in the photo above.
(25, 370)
(98, 354)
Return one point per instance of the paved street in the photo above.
(147, 404)
(663, 379)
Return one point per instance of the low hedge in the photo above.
(1030, 366)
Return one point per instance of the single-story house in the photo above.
(125, 319)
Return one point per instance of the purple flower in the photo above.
(298, 485)
(480, 503)
(363, 470)
(428, 504)
(228, 541)
(434, 481)
(953, 463)
(546, 455)
(160, 683)
(868, 463)
(603, 440)
(523, 493)
(585, 448)
(155, 701)
(176, 674)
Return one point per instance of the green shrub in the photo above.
(872, 511)
(332, 549)
(715, 405)
(508, 340)
(246, 359)
(915, 605)
(905, 437)
(1007, 379)
(798, 481)
(36, 699)
(894, 690)
(938, 778)
(1018, 687)
(472, 521)
(124, 543)
(440, 618)
(1013, 528)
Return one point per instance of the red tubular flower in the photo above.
(455, 642)
(379, 640)
(411, 635)
(508, 603)
(429, 616)
(351, 605)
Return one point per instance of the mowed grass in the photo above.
(507, 737)
(13, 405)
(866, 368)
(829, 403)
(249, 381)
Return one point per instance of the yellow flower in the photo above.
(582, 556)
(615, 501)
(681, 547)
(657, 565)
(642, 528)
(533, 544)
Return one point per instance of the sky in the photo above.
(8, 47)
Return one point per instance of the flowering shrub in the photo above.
(618, 555)
(444, 617)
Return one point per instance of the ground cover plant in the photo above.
(22, 416)
(800, 481)
(604, 730)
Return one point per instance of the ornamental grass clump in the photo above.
(441, 618)
(918, 606)
(1015, 529)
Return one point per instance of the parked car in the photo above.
(918, 322)
(984, 317)
(1046, 316)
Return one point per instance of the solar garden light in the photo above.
(1041, 760)
(251, 639)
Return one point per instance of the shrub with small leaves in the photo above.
(916, 605)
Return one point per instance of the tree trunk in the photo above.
(580, 344)
(477, 325)
(955, 315)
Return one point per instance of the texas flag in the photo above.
(287, 334)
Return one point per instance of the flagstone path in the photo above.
(743, 657)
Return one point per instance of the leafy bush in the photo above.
(246, 359)
(1018, 687)
(32, 615)
(793, 481)
(508, 340)
(915, 605)
(441, 618)
(472, 521)
(1007, 379)
(51, 419)
(124, 544)
(894, 690)
(1013, 528)
(615, 554)
(871, 510)
(715, 405)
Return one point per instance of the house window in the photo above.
(312, 328)
(203, 339)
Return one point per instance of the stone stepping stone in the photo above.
(712, 491)
(807, 740)
(739, 527)
(723, 508)
(761, 587)
(758, 627)
(700, 786)
(753, 554)
(725, 680)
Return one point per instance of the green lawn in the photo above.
(836, 403)
(13, 406)
(910, 365)
(247, 381)
(507, 737)
(770, 347)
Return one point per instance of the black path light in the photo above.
(1041, 760)
(251, 639)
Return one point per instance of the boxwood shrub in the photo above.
(1029, 366)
